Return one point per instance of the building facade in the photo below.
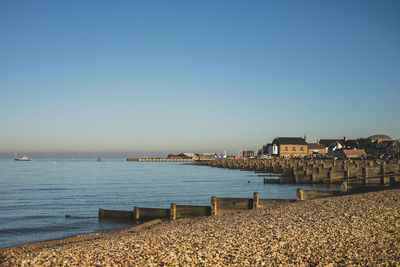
(315, 150)
(289, 147)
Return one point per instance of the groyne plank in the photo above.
(263, 202)
(115, 214)
(188, 211)
(146, 213)
(314, 194)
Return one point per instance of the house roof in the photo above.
(376, 137)
(189, 155)
(289, 141)
(182, 155)
(328, 142)
(350, 143)
(385, 143)
(315, 146)
(354, 153)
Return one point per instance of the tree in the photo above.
(395, 151)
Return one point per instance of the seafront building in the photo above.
(297, 147)
(316, 149)
(289, 147)
(334, 147)
(381, 144)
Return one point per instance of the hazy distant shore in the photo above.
(359, 229)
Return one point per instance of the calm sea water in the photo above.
(35, 196)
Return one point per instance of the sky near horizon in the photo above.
(117, 76)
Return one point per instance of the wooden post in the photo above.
(370, 163)
(300, 194)
(383, 173)
(366, 171)
(344, 186)
(136, 214)
(348, 173)
(101, 212)
(392, 181)
(255, 200)
(214, 206)
(173, 211)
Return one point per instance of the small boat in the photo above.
(24, 158)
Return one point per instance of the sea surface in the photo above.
(36, 196)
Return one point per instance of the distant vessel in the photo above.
(24, 158)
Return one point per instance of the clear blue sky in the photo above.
(93, 76)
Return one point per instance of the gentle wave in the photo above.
(35, 198)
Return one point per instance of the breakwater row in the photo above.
(353, 176)
(308, 171)
(217, 206)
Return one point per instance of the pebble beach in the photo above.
(360, 229)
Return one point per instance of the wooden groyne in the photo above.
(218, 206)
(158, 160)
(353, 176)
(310, 171)
(228, 205)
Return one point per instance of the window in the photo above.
(286, 149)
(301, 149)
(294, 149)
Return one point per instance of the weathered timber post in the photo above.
(370, 163)
(366, 171)
(344, 186)
(173, 211)
(136, 214)
(101, 213)
(214, 211)
(314, 176)
(392, 181)
(255, 200)
(382, 172)
(300, 194)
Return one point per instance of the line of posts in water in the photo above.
(353, 177)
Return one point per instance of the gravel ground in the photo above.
(361, 229)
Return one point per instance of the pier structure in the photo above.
(159, 159)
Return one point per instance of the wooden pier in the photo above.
(159, 160)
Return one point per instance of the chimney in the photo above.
(305, 138)
(345, 138)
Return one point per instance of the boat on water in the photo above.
(24, 158)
